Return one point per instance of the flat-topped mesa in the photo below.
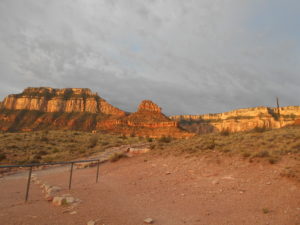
(240, 119)
(51, 92)
(48, 99)
(149, 106)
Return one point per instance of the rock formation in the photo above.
(46, 99)
(240, 120)
(80, 109)
(147, 121)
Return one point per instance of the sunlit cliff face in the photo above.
(70, 108)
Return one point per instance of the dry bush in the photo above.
(117, 156)
(93, 141)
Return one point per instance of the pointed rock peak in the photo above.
(148, 105)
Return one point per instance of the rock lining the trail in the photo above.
(51, 193)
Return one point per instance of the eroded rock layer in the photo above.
(147, 121)
(80, 109)
(59, 100)
(240, 120)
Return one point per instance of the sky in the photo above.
(189, 57)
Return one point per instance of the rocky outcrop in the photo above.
(147, 121)
(60, 100)
(240, 120)
(149, 106)
(80, 109)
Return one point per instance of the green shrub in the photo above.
(104, 143)
(165, 139)
(262, 154)
(259, 129)
(42, 152)
(55, 150)
(273, 160)
(116, 156)
(93, 141)
(246, 154)
(149, 139)
(152, 146)
(2, 156)
(265, 210)
(225, 132)
(44, 139)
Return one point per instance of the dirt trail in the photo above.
(172, 191)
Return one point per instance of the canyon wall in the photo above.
(80, 109)
(59, 100)
(147, 121)
(240, 120)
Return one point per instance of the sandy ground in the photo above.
(172, 191)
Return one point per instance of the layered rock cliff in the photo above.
(46, 99)
(147, 121)
(240, 120)
(80, 109)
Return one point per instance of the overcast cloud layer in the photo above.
(190, 57)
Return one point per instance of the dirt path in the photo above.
(172, 191)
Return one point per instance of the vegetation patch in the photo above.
(56, 145)
(117, 156)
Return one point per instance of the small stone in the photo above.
(58, 201)
(168, 173)
(70, 200)
(214, 182)
(49, 198)
(37, 181)
(47, 186)
(268, 183)
(91, 222)
(148, 220)
(73, 213)
(53, 190)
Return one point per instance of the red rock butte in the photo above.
(80, 109)
(148, 105)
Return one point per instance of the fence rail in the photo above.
(52, 164)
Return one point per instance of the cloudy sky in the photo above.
(190, 57)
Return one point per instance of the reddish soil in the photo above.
(172, 191)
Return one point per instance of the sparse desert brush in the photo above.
(246, 154)
(225, 132)
(2, 156)
(265, 210)
(262, 154)
(20, 148)
(149, 139)
(152, 146)
(165, 139)
(273, 160)
(271, 145)
(93, 141)
(259, 129)
(117, 156)
(290, 172)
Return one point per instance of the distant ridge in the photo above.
(240, 119)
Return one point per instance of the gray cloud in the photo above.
(188, 56)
